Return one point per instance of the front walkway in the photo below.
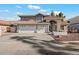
(35, 44)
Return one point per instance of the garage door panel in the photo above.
(41, 28)
(27, 28)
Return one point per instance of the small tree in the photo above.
(57, 15)
(52, 13)
(60, 14)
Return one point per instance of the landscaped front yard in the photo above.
(69, 37)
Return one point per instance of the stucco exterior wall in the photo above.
(59, 29)
(58, 25)
(3, 29)
(0, 31)
(65, 28)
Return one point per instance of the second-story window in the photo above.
(39, 18)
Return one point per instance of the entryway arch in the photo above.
(53, 26)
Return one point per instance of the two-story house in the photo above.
(41, 23)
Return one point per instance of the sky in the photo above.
(11, 11)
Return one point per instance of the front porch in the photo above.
(56, 28)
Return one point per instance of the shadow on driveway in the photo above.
(45, 47)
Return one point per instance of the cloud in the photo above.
(34, 7)
(42, 10)
(50, 9)
(57, 12)
(12, 18)
(1, 17)
(18, 7)
(4, 10)
(48, 13)
(19, 13)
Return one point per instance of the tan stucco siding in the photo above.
(3, 28)
(58, 25)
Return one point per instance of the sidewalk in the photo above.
(5, 34)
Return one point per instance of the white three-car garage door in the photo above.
(32, 28)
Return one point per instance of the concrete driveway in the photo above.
(22, 43)
(35, 44)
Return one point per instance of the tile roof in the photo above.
(64, 23)
(18, 22)
(31, 15)
(26, 22)
(52, 18)
(2, 22)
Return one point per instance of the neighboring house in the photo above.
(6, 26)
(41, 23)
(3, 26)
(74, 24)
